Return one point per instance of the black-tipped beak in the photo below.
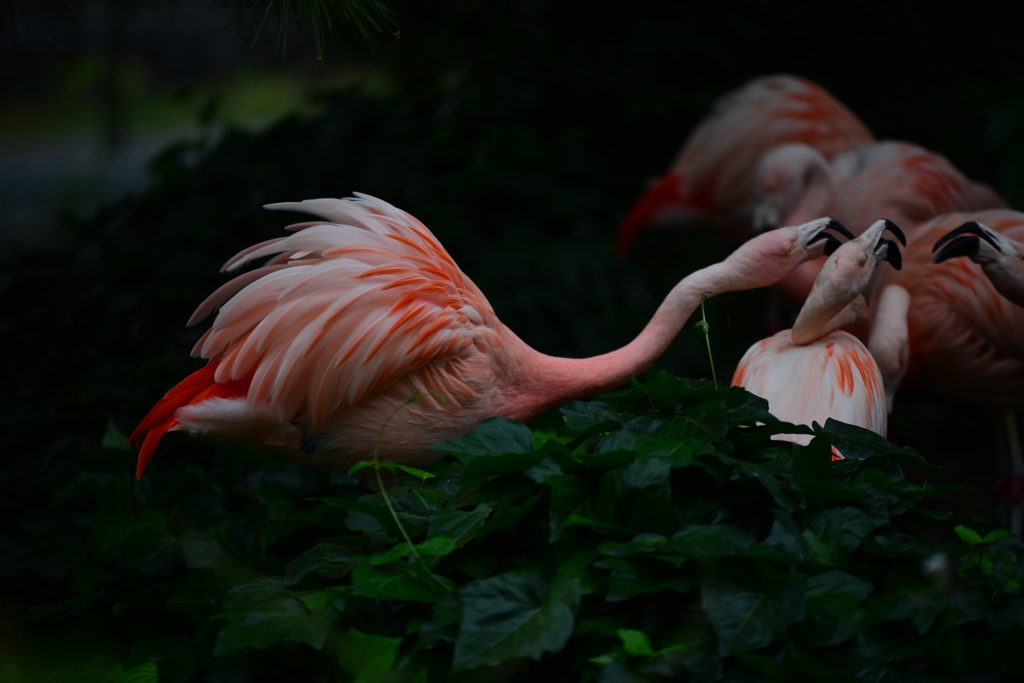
(831, 243)
(895, 230)
(838, 227)
(964, 245)
(892, 253)
(972, 228)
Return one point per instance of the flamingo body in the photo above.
(833, 376)
(817, 370)
(710, 180)
(901, 181)
(965, 338)
(360, 332)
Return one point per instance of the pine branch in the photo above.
(365, 18)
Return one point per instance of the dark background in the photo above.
(519, 132)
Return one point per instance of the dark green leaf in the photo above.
(843, 526)
(324, 558)
(748, 619)
(366, 657)
(260, 626)
(511, 615)
(398, 582)
(590, 417)
(708, 543)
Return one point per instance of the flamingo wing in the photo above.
(342, 309)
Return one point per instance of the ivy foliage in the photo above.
(658, 533)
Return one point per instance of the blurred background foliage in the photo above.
(519, 132)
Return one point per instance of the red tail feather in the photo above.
(197, 387)
(663, 194)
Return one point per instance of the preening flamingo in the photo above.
(901, 181)
(710, 180)
(350, 318)
(817, 370)
(1000, 257)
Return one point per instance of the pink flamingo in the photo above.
(899, 180)
(965, 339)
(817, 370)
(710, 180)
(1001, 258)
(314, 353)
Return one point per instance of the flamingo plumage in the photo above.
(1001, 258)
(817, 370)
(901, 181)
(965, 338)
(710, 180)
(313, 352)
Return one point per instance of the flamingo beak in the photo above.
(964, 241)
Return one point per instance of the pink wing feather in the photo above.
(341, 310)
(834, 376)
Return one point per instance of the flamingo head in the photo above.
(783, 178)
(845, 276)
(769, 257)
(979, 242)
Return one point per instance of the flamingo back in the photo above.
(834, 376)
(720, 157)
(903, 182)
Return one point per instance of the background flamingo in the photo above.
(312, 352)
(817, 370)
(710, 180)
(1001, 258)
(964, 337)
(898, 180)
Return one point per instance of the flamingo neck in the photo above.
(817, 195)
(544, 381)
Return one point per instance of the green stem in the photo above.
(387, 498)
(707, 337)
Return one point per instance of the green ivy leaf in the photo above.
(749, 619)
(497, 445)
(398, 581)
(710, 542)
(260, 626)
(324, 558)
(590, 417)
(636, 642)
(510, 615)
(365, 657)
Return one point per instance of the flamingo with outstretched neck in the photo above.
(313, 352)
(818, 369)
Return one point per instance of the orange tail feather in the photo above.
(197, 387)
